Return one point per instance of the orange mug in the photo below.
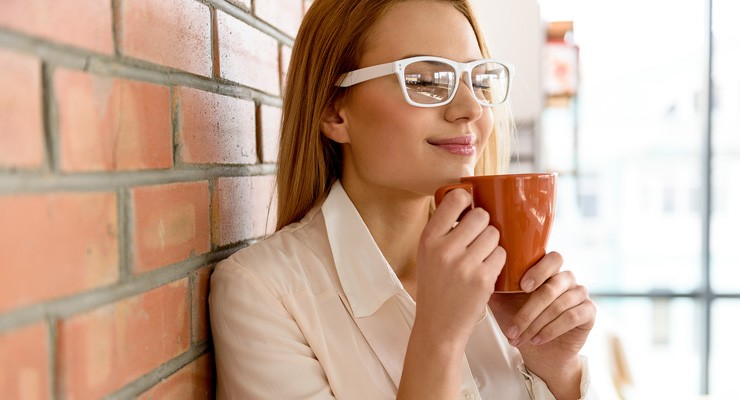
(522, 207)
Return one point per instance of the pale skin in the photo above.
(390, 169)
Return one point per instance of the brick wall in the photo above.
(137, 149)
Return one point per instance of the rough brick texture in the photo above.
(270, 132)
(112, 124)
(80, 23)
(232, 222)
(22, 129)
(101, 350)
(241, 45)
(172, 33)
(27, 376)
(216, 129)
(285, 53)
(194, 381)
(170, 223)
(138, 140)
(78, 233)
(285, 15)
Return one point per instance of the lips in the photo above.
(460, 145)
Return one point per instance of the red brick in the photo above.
(24, 363)
(270, 132)
(172, 33)
(80, 23)
(171, 223)
(285, 53)
(216, 129)
(194, 382)
(248, 56)
(286, 15)
(103, 349)
(22, 129)
(112, 124)
(243, 208)
(54, 245)
(201, 323)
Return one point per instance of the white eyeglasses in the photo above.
(433, 81)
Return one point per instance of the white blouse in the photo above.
(316, 312)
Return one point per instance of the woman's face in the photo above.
(394, 145)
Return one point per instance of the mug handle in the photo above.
(441, 192)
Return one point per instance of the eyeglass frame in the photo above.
(397, 67)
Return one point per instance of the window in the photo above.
(649, 189)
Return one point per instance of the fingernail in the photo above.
(512, 332)
(514, 342)
(528, 284)
(536, 340)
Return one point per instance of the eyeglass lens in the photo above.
(431, 82)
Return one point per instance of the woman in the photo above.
(363, 293)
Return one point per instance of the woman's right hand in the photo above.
(457, 267)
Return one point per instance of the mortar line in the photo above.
(175, 124)
(251, 19)
(213, 198)
(49, 115)
(33, 181)
(53, 358)
(169, 368)
(115, 25)
(128, 68)
(258, 132)
(215, 51)
(124, 234)
(100, 296)
(191, 308)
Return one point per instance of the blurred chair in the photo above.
(610, 372)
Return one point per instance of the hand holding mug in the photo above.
(549, 323)
(521, 207)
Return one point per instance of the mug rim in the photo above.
(517, 175)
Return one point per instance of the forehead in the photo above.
(421, 27)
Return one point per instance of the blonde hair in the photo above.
(329, 43)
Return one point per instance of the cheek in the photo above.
(485, 126)
(381, 116)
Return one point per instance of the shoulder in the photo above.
(294, 259)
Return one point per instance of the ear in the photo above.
(334, 125)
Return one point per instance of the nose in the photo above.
(464, 105)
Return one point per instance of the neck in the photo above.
(395, 220)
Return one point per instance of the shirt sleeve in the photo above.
(538, 389)
(260, 351)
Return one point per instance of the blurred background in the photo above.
(636, 104)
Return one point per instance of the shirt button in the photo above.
(467, 395)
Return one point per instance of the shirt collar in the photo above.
(366, 277)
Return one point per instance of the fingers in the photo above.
(483, 243)
(556, 307)
(494, 263)
(448, 212)
(578, 317)
(536, 276)
(473, 226)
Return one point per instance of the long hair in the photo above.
(329, 43)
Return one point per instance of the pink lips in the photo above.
(460, 145)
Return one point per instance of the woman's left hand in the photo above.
(550, 322)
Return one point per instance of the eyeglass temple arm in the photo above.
(365, 74)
